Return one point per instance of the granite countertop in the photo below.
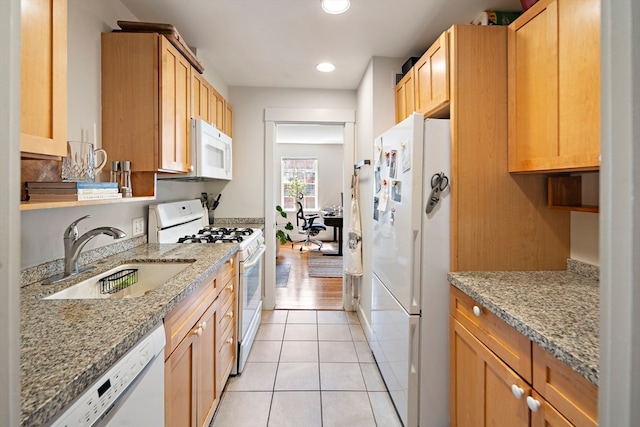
(67, 344)
(557, 310)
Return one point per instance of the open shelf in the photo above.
(28, 206)
(565, 193)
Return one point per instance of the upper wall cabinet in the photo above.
(404, 97)
(146, 102)
(554, 87)
(431, 76)
(200, 96)
(228, 119)
(44, 78)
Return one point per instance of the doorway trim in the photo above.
(273, 116)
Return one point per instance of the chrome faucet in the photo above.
(73, 244)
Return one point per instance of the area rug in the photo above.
(324, 266)
(282, 274)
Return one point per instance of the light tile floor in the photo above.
(308, 369)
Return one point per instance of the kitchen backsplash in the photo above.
(584, 269)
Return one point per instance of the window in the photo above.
(299, 175)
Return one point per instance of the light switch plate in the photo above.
(138, 226)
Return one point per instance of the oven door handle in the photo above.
(255, 258)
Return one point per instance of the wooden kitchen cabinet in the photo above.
(405, 97)
(146, 103)
(228, 119)
(554, 87)
(196, 370)
(43, 73)
(200, 96)
(481, 385)
(573, 396)
(483, 374)
(499, 221)
(431, 76)
(216, 117)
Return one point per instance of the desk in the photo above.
(334, 221)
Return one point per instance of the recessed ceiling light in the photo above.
(325, 67)
(335, 6)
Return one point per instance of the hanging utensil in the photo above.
(217, 201)
(439, 182)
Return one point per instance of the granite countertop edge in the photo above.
(536, 304)
(66, 345)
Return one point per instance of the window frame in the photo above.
(309, 182)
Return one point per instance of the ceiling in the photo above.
(277, 43)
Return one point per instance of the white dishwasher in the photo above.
(130, 393)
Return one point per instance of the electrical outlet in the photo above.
(138, 226)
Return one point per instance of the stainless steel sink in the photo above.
(150, 275)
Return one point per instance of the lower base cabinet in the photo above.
(482, 385)
(196, 370)
(487, 391)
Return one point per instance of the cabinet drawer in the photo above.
(226, 273)
(226, 355)
(226, 310)
(570, 393)
(506, 342)
(182, 318)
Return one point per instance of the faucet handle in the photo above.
(72, 230)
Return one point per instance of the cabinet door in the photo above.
(44, 77)
(432, 78)
(200, 93)
(546, 415)
(217, 109)
(228, 119)
(207, 376)
(404, 97)
(554, 87)
(181, 377)
(481, 385)
(574, 396)
(175, 109)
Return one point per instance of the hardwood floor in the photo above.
(303, 292)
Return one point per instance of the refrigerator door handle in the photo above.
(415, 271)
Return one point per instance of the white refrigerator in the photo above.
(410, 294)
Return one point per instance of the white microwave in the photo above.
(210, 151)
(210, 154)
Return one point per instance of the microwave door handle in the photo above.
(227, 164)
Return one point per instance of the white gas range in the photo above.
(186, 222)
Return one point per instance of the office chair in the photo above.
(309, 227)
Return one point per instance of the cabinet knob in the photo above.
(229, 314)
(518, 392)
(230, 288)
(229, 340)
(198, 331)
(533, 404)
(203, 326)
(477, 311)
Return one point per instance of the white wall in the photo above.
(375, 114)
(243, 197)
(10, 413)
(329, 180)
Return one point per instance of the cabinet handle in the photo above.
(477, 311)
(533, 404)
(229, 340)
(198, 331)
(229, 314)
(518, 392)
(229, 288)
(203, 326)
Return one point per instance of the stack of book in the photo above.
(40, 191)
